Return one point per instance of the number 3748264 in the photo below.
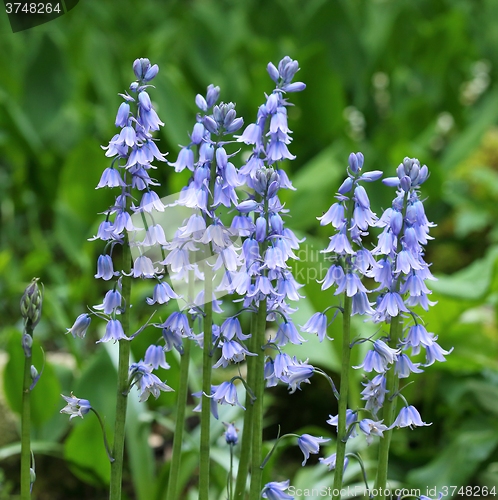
(32, 8)
(469, 491)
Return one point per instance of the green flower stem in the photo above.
(343, 397)
(207, 364)
(26, 424)
(392, 384)
(246, 440)
(207, 358)
(258, 388)
(230, 476)
(181, 404)
(104, 435)
(123, 384)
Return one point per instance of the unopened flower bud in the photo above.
(400, 171)
(273, 72)
(346, 186)
(231, 434)
(34, 372)
(151, 73)
(27, 343)
(213, 93)
(32, 477)
(31, 303)
(405, 183)
(210, 124)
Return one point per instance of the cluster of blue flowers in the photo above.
(132, 151)
(397, 265)
(246, 255)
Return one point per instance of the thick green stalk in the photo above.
(26, 426)
(122, 384)
(258, 388)
(343, 397)
(181, 405)
(389, 411)
(246, 441)
(207, 365)
(207, 357)
(392, 384)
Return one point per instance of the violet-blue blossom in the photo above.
(213, 403)
(330, 461)
(316, 324)
(113, 331)
(226, 393)
(154, 356)
(148, 383)
(372, 428)
(351, 420)
(276, 491)
(105, 268)
(75, 407)
(162, 294)
(310, 444)
(80, 326)
(408, 417)
(374, 393)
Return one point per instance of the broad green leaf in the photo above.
(84, 448)
(471, 283)
(456, 463)
(138, 430)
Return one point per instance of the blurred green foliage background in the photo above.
(390, 78)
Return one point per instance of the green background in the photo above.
(388, 78)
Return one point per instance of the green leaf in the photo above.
(84, 448)
(85, 453)
(46, 85)
(318, 180)
(471, 283)
(138, 431)
(457, 461)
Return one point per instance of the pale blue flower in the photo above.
(149, 383)
(226, 393)
(316, 324)
(351, 420)
(114, 331)
(408, 417)
(232, 352)
(105, 269)
(112, 301)
(162, 294)
(404, 366)
(298, 373)
(154, 356)
(310, 444)
(374, 393)
(213, 404)
(75, 407)
(287, 332)
(276, 491)
(372, 428)
(434, 352)
(330, 461)
(80, 326)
